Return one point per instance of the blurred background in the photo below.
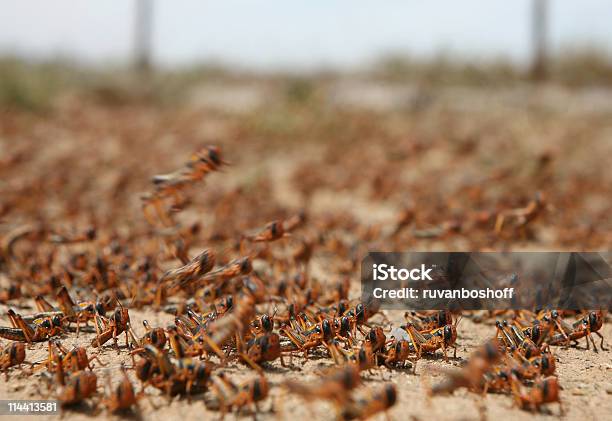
(477, 42)
(361, 107)
(298, 36)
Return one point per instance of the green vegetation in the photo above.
(35, 86)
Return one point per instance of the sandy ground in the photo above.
(586, 378)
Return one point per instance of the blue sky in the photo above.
(295, 34)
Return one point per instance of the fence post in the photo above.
(143, 35)
(539, 32)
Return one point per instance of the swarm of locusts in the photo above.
(250, 304)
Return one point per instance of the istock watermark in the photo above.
(455, 294)
(494, 281)
(383, 272)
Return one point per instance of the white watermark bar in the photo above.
(29, 407)
(488, 280)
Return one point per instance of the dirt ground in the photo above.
(584, 375)
(361, 154)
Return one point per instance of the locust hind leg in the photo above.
(97, 326)
(27, 330)
(115, 340)
(250, 362)
(95, 357)
(213, 346)
(445, 354)
(601, 344)
(589, 336)
(13, 319)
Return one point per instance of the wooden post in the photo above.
(539, 30)
(143, 35)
